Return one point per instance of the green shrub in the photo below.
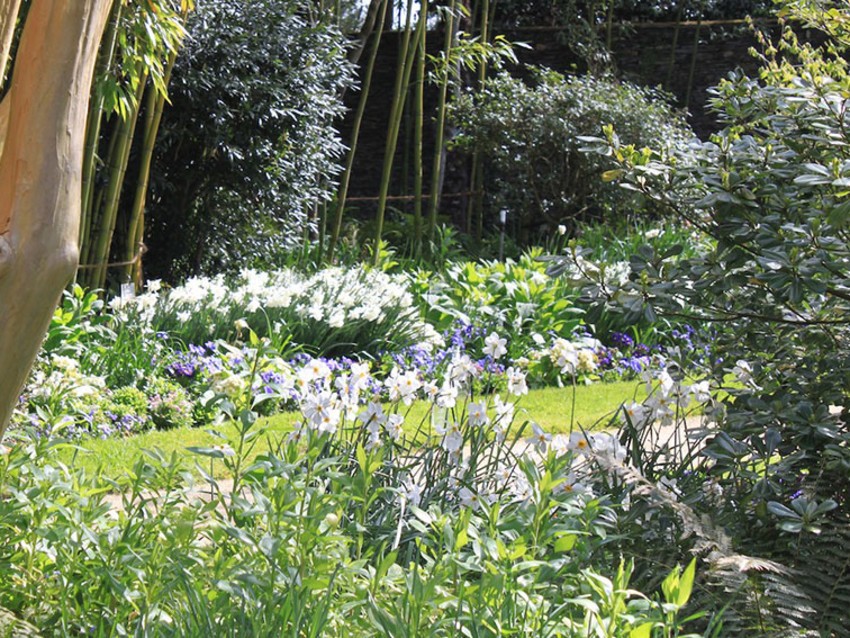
(248, 146)
(516, 299)
(131, 399)
(169, 405)
(771, 190)
(530, 134)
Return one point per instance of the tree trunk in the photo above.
(40, 176)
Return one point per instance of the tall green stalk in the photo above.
(342, 195)
(437, 170)
(475, 209)
(672, 65)
(693, 68)
(138, 49)
(418, 123)
(95, 119)
(154, 107)
(117, 169)
(405, 68)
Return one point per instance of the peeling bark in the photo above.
(40, 175)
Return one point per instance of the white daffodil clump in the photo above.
(337, 298)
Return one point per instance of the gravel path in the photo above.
(669, 436)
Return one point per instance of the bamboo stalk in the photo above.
(95, 206)
(117, 170)
(692, 71)
(675, 44)
(439, 144)
(418, 123)
(402, 82)
(95, 123)
(345, 181)
(154, 107)
(476, 204)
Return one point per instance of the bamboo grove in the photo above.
(445, 45)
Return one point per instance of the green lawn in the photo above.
(552, 408)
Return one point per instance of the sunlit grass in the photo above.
(557, 410)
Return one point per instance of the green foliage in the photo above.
(322, 536)
(248, 147)
(530, 135)
(515, 299)
(771, 191)
(169, 404)
(617, 242)
(83, 328)
(129, 400)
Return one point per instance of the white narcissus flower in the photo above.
(636, 414)
(337, 318)
(516, 381)
(374, 440)
(539, 438)
(322, 411)
(452, 438)
(504, 410)
(430, 390)
(478, 414)
(701, 391)
(468, 498)
(494, 346)
(578, 442)
(571, 485)
(298, 433)
(447, 398)
(393, 425)
(462, 368)
(360, 375)
(608, 445)
(374, 413)
(411, 492)
(225, 450)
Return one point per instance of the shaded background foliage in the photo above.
(248, 147)
(529, 134)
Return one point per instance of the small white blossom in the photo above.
(494, 346)
(516, 381)
(478, 414)
(539, 438)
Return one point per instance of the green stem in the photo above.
(693, 64)
(355, 135)
(117, 169)
(418, 123)
(439, 145)
(95, 121)
(405, 68)
(477, 199)
(154, 107)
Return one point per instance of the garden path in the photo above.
(670, 436)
